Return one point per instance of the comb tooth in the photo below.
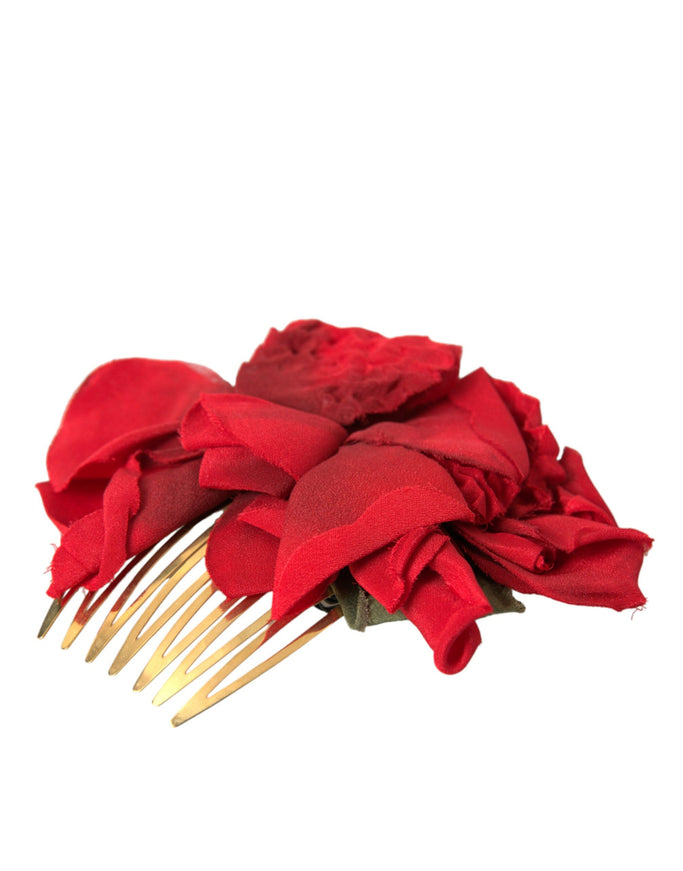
(95, 599)
(84, 613)
(55, 609)
(141, 632)
(118, 616)
(204, 699)
(184, 674)
(164, 655)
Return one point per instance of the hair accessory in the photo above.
(344, 472)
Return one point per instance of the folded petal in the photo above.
(488, 494)
(545, 472)
(253, 444)
(243, 545)
(349, 374)
(145, 500)
(123, 406)
(237, 468)
(571, 559)
(443, 601)
(81, 497)
(356, 502)
(578, 494)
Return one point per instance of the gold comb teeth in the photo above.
(192, 632)
(206, 697)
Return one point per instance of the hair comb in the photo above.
(344, 474)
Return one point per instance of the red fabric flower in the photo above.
(119, 479)
(447, 475)
(350, 374)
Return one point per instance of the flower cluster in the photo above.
(338, 452)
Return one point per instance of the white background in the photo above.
(179, 177)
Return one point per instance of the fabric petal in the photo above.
(77, 500)
(144, 501)
(443, 602)
(578, 494)
(348, 374)
(237, 468)
(252, 444)
(241, 554)
(123, 406)
(592, 563)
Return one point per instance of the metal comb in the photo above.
(191, 626)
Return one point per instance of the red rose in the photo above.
(119, 479)
(348, 375)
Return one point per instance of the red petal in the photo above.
(257, 445)
(241, 556)
(79, 498)
(389, 574)
(237, 468)
(594, 563)
(443, 603)
(144, 501)
(578, 493)
(348, 374)
(122, 406)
